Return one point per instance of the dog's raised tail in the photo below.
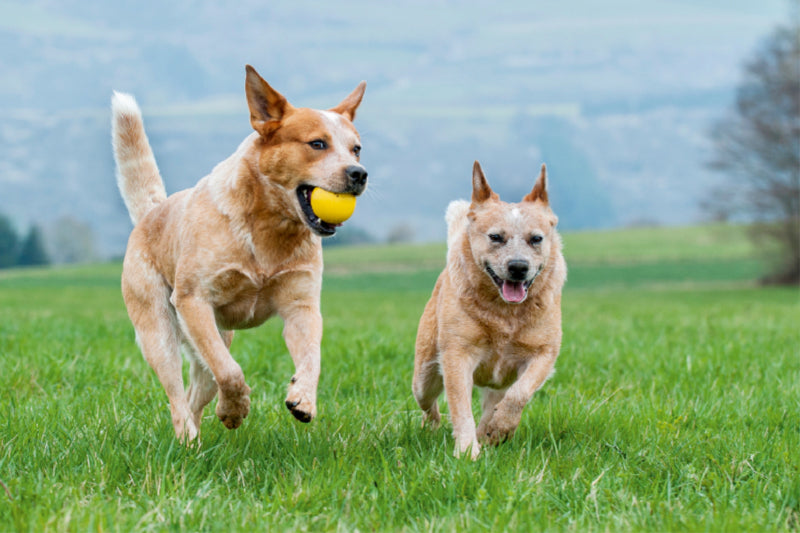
(456, 218)
(137, 173)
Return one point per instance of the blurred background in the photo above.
(619, 98)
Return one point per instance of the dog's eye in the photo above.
(536, 239)
(357, 150)
(318, 144)
(494, 237)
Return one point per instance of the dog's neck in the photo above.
(260, 218)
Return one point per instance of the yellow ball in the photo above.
(332, 207)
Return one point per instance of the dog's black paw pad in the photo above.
(302, 416)
(291, 405)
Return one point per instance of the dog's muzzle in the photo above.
(515, 289)
(356, 179)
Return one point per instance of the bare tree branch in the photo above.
(757, 146)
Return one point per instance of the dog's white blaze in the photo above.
(336, 118)
(342, 141)
(516, 220)
(341, 137)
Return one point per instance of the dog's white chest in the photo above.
(240, 299)
(496, 370)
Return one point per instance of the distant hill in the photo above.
(616, 98)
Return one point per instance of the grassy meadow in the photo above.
(675, 406)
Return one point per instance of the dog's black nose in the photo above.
(357, 175)
(517, 269)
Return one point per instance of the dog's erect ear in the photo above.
(539, 192)
(481, 192)
(348, 106)
(267, 106)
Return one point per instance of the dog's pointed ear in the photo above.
(539, 192)
(267, 106)
(348, 106)
(481, 192)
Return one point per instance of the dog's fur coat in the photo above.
(239, 247)
(494, 318)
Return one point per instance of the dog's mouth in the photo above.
(318, 226)
(512, 291)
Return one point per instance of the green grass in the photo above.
(676, 406)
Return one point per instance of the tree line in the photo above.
(16, 250)
(64, 240)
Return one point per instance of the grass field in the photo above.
(676, 406)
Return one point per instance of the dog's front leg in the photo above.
(302, 331)
(197, 321)
(457, 369)
(507, 413)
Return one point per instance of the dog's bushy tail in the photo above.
(456, 218)
(137, 174)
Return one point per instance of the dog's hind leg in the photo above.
(427, 383)
(147, 299)
(202, 385)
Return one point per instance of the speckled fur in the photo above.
(469, 335)
(230, 252)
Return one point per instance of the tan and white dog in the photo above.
(239, 247)
(494, 319)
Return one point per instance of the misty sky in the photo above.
(617, 95)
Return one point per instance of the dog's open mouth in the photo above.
(512, 291)
(317, 225)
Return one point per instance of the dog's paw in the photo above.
(471, 448)
(186, 431)
(304, 413)
(233, 406)
(493, 433)
(300, 403)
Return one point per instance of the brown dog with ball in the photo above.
(241, 246)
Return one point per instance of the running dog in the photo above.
(241, 246)
(494, 319)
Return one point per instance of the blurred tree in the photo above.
(32, 251)
(9, 241)
(757, 145)
(347, 235)
(403, 232)
(70, 241)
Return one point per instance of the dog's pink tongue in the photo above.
(513, 291)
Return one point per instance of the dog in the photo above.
(494, 318)
(241, 246)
